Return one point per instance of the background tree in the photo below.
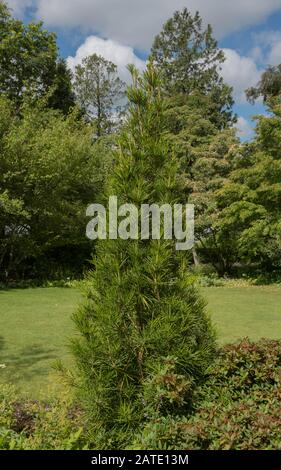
(199, 105)
(99, 92)
(189, 60)
(211, 171)
(250, 202)
(268, 87)
(29, 62)
(142, 313)
(50, 172)
(62, 95)
(206, 157)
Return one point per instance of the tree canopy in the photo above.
(268, 87)
(29, 63)
(189, 60)
(99, 92)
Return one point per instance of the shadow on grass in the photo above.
(25, 285)
(28, 363)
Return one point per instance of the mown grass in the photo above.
(35, 327)
(239, 312)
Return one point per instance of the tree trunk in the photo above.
(196, 259)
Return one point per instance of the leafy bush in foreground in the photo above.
(33, 425)
(239, 408)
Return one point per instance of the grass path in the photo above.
(35, 326)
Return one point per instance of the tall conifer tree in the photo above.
(142, 310)
(190, 60)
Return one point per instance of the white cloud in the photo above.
(271, 40)
(274, 57)
(19, 6)
(240, 72)
(256, 53)
(110, 50)
(135, 22)
(267, 48)
(244, 128)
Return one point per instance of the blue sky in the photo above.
(249, 31)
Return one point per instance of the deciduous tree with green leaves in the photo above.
(29, 63)
(211, 171)
(50, 172)
(250, 201)
(268, 87)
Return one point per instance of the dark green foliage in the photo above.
(239, 407)
(27, 56)
(249, 202)
(189, 121)
(62, 96)
(189, 60)
(206, 158)
(142, 309)
(213, 164)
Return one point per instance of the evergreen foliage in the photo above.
(142, 310)
(99, 92)
(189, 60)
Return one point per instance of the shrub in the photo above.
(210, 281)
(206, 276)
(34, 425)
(239, 408)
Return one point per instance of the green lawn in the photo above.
(35, 327)
(238, 312)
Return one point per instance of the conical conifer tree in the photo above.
(142, 313)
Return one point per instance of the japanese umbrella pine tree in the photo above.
(142, 313)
